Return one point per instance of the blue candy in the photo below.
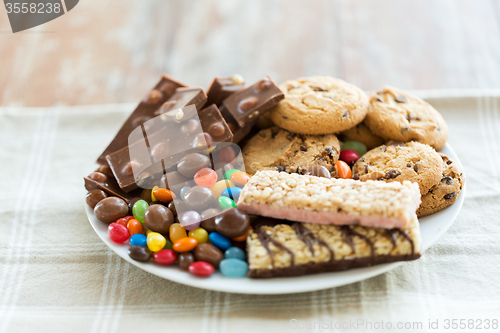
(232, 192)
(139, 239)
(220, 241)
(233, 268)
(235, 253)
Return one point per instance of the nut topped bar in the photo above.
(307, 248)
(313, 199)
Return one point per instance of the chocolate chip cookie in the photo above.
(446, 191)
(397, 115)
(319, 105)
(362, 134)
(397, 161)
(277, 147)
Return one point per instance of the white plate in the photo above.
(432, 227)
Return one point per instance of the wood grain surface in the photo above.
(113, 51)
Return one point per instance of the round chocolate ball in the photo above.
(110, 209)
(208, 219)
(232, 223)
(94, 196)
(209, 253)
(158, 218)
(199, 198)
(192, 163)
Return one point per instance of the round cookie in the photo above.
(362, 134)
(397, 115)
(319, 105)
(397, 161)
(277, 147)
(445, 192)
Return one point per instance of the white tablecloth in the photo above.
(57, 276)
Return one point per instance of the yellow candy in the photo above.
(156, 242)
(221, 186)
(152, 196)
(200, 234)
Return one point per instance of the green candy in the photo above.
(358, 147)
(228, 173)
(168, 245)
(139, 209)
(225, 202)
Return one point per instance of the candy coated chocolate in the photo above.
(110, 209)
(94, 196)
(192, 163)
(177, 206)
(209, 253)
(208, 219)
(158, 218)
(318, 171)
(139, 253)
(232, 223)
(185, 259)
(199, 198)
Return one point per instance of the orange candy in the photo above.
(164, 194)
(177, 232)
(185, 244)
(343, 170)
(135, 227)
(240, 178)
(124, 220)
(243, 238)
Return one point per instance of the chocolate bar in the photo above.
(154, 153)
(283, 250)
(161, 92)
(241, 109)
(104, 180)
(222, 87)
(307, 198)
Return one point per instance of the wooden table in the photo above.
(113, 51)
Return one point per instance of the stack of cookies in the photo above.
(322, 116)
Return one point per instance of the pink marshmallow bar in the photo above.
(330, 201)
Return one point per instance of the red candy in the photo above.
(201, 268)
(206, 177)
(118, 233)
(165, 257)
(124, 220)
(227, 155)
(349, 156)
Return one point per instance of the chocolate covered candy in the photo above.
(209, 253)
(94, 196)
(199, 198)
(110, 209)
(232, 223)
(192, 163)
(158, 218)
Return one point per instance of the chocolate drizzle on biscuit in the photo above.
(265, 239)
(348, 232)
(393, 237)
(308, 238)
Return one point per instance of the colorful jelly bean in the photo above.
(124, 220)
(185, 244)
(201, 268)
(165, 257)
(139, 253)
(349, 156)
(220, 186)
(164, 194)
(227, 174)
(177, 232)
(343, 170)
(118, 233)
(156, 241)
(139, 240)
(206, 177)
(139, 209)
(357, 146)
(190, 220)
(153, 198)
(226, 202)
(168, 245)
(183, 191)
(135, 227)
(233, 268)
(240, 178)
(243, 238)
(232, 192)
(220, 241)
(235, 252)
(200, 234)
(227, 155)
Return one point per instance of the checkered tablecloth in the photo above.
(57, 276)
